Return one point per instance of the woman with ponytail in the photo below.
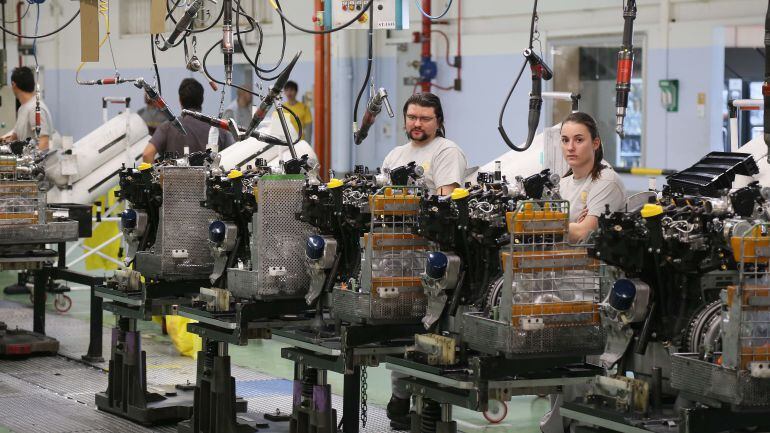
(590, 184)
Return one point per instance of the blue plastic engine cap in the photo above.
(128, 219)
(314, 249)
(436, 264)
(217, 232)
(622, 294)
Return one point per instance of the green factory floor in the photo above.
(264, 356)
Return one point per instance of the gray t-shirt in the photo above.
(443, 161)
(594, 195)
(241, 115)
(25, 120)
(168, 139)
(152, 117)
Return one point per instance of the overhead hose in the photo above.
(369, 62)
(539, 72)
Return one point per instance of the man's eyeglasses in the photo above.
(411, 118)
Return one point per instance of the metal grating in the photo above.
(19, 202)
(279, 238)
(183, 225)
(703, 378)
(52, 232)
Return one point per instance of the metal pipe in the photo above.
(735, 106)
(425, 39)
(318, 94)
(748, 104)
(327, 62)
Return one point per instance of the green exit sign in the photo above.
(669, 95)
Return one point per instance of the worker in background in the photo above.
(151, 115)
(590, 185)
(444, 164)
(240, 109)
(300, 109)
(168, 140)
(23, 87)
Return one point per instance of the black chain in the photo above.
(364, 386)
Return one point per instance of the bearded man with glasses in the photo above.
(443, 160)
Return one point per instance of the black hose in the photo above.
(368, 64)
(211, 26)
(299, 124)
(534, 114)
(155, 65)
(222, 83)
(532, 26)
(259, 48)
(45, 35)
(170, 11)
(500, 126)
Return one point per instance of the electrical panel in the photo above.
(388, 14)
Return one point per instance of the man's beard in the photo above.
(420, 138)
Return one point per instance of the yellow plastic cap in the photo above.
(459, 193)
(234, 174)
(334, 183)
(144, 166)
(650, 210)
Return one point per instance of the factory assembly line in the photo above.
(656, 320)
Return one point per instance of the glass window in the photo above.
(588, 66)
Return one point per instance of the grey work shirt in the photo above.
(443, 161)
(168, 139)
(152, 117)
(593, 195)
(241, 115)
(25, 120)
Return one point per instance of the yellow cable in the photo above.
(104, 9)
(275, 6)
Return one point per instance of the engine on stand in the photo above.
(464, 262)
(364, 271)
(667, 317)
(233, 197)
(340, 211)
(169, 260)
(511, 307)
(27, 224)
(258, 281)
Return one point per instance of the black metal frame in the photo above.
(42, 279)
(480, 371)
(347, 343)
(126, 393)
(215, 386)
